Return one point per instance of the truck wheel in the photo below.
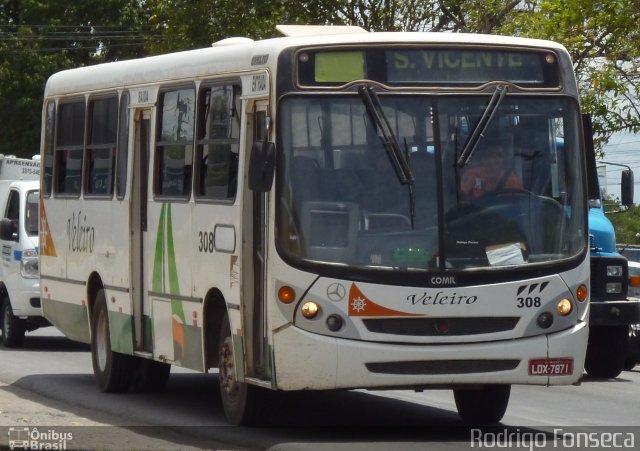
(150, 376)
(606, 351)
(485, 405)
(112, 370)
(13, 328)
(629, 363)
(242, 403)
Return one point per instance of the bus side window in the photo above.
(174, 144)
(69, 148)
(49, 134)
(218, 142)
(123, 146)
(101, 145)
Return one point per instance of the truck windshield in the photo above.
(517, 202)
(31, 213)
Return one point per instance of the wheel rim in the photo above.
(226, 369)
(102, 335)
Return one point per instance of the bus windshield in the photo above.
(342, 202)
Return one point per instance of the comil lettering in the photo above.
(443, 280)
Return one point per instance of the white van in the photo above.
(19, 283)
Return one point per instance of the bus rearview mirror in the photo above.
(262, 166)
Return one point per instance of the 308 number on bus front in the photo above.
(529, 302)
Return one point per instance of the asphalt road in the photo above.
(48, 385)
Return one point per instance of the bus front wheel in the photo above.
(112, 370)
(242, 403)
(486, 405)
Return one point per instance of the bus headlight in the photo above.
(564, 307)
(29, 264)
(545, 320)
(310, 309)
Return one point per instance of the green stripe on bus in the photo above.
(164, 248)
(121, 331)
(73, 319)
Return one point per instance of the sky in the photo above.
(623, 148)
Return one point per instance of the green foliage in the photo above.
(627, 225)
(38, 38)
(603, 40)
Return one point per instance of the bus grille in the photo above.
(431, 367)
(433, 327)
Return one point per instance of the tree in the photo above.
(39, 38)
(603, 40)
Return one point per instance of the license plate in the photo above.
(550, 367)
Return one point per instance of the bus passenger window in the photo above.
(69, 148)
(174, 144)
(48, 142)
(123, 146)
(218, 143)
(101, 145)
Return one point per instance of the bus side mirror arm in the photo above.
(262, 165)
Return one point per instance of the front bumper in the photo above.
(25, 298)
(615, 313)
(306, 361)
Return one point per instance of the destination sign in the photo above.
(469, 66)
(463, 66)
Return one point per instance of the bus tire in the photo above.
(606, 351)
(13, 328)
(486, 405)
(242, 403)
(112, 370)
(150, 376)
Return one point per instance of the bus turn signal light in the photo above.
(286, 294)
(581, 293)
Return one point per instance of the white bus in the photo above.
(310, 213)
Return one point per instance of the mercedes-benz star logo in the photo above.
(336, 292)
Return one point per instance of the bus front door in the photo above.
(255, 310)
(138, 214)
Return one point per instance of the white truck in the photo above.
(19, 283)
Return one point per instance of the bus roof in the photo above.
(237, 54)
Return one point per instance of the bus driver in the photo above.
(487, 172)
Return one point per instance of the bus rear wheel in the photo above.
(242, 403)
(112, 370)
(486, 405)
(13, 328)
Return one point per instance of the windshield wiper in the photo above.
(483, 124)
(399, 160)
(385, 133)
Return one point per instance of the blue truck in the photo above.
(612, 311)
